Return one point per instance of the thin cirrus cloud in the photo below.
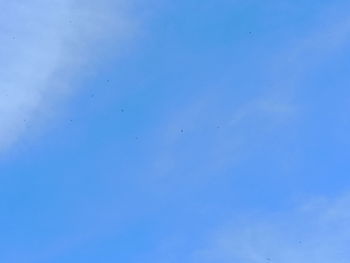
(42, 43)
(317, 231)
(269, 110)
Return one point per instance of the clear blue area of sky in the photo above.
(217, 110)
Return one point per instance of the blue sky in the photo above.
(174, 131)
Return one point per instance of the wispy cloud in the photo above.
(42, 43)
(273, 108)
(207, 136)
(318, 231)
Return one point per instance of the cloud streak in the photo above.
(43, 42)
(318, 231)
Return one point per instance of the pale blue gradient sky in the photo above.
(174, 131)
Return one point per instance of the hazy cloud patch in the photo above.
(42, 45)
(317, 231)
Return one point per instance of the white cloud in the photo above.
(318, 231)
(42, 44)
